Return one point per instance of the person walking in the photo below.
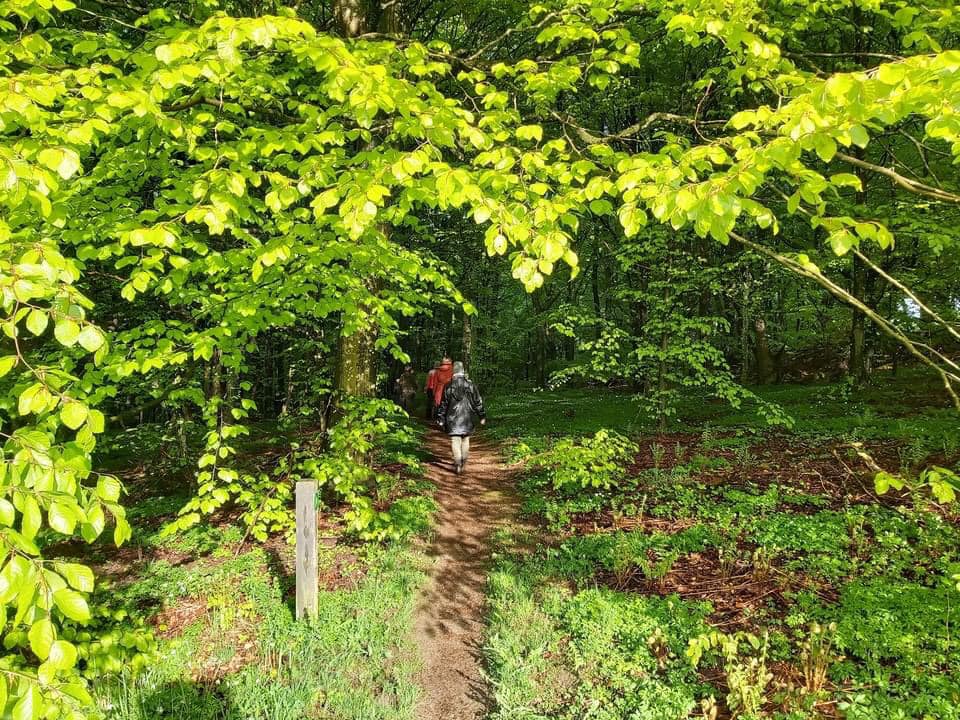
(428, 391)
(407, 388)
(461, 401)
(443, 375)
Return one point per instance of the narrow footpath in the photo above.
(450, 612)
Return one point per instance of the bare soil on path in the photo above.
(450, 612)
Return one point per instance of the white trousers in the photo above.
(461, 448)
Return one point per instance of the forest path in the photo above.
(450, 613)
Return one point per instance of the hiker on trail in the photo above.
(461, 401)
(428, 391)
(407, 388)
(443, 375)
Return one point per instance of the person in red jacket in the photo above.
(443, 376)
(428, 390)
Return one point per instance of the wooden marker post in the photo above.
(307, 579)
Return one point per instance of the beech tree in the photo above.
(230, 176)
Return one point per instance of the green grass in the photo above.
(220, 641)
(910, 408)
(353, 662)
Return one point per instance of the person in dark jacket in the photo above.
(461, 401)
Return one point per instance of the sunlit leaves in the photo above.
(71, 604)
(64, 161)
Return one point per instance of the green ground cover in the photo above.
(214, 635)
(725, 569)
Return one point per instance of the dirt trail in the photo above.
(450, 611)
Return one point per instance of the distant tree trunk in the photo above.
(540, 340)
(352, 16)
(858, 330)
(595, 288)
(764, 359)
(389, 22)
(288, 396)
(662, 368)
(745, 335)
(467, 347)
(858, 336)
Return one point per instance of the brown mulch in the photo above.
(608, 521)
(676, 448)
(735, 594)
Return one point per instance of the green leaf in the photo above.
(41, 637)
(108, 489)
(63, 161)
(66, 331)
(32, 517)
(37, 321)
(859, 136)
(72, 604)
(846, 180)
(7, 513)
(884, 481)
(73, 414)
(79, 576)
(62, 518)
(530, 132)
(30, 703)
(8, 363)
(63, 655)
(825, 146)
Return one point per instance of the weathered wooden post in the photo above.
(306, 549)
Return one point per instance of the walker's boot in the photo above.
(458, 468)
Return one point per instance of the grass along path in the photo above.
(449, 616)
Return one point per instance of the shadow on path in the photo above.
(450, 612)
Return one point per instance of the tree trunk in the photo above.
(595, 288)
(467, 348)
(288, 395)
(858, 329)
(541, 356)
(745, 335)
(764, 359)
(662, 368)
(389, 22)
(356, 353)
(356, 364)
(352, 17)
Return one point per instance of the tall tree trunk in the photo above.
(858, 336)
(352, 16)
(595, 288)
(662, 381)
(356, 353)
(389, 22)
(356, 364)
(764, 359)
(745, 334)
(541, 356)
(858, 329)
(467, 347)
(288, 395)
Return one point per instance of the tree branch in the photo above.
(840, 293)
(906, 183)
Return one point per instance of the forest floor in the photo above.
(516, 594)
(449, 616)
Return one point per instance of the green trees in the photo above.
(180, 190)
